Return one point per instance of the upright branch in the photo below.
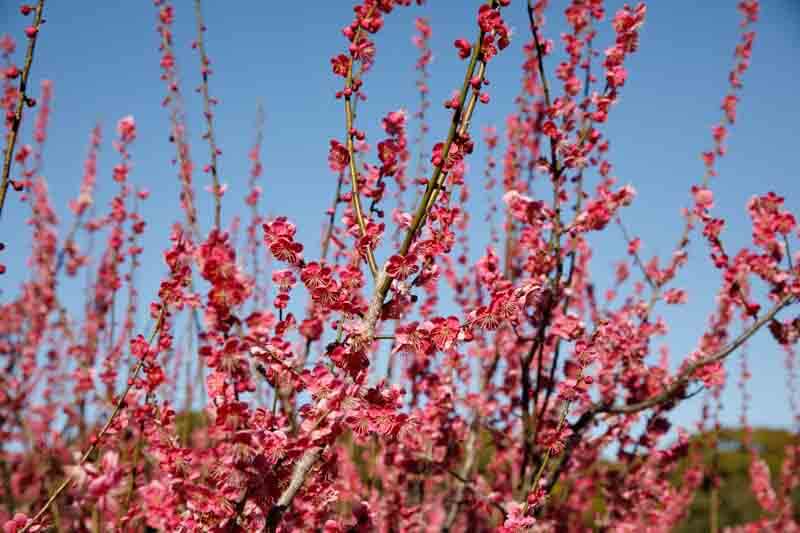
(69, 253)
(421, 41)
(205, 71)
(174, 102)
(252, 199)
(457, 142)
(490, 140)
(531, 422)
(492, 28)
(14, 120)
(361, 49)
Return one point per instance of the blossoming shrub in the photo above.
(500, 414)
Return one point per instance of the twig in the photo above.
(636, 257)
(326, 241)
(572, 441)
(178, 134)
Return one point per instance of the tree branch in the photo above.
(301, 469)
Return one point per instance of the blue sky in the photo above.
(103, 59)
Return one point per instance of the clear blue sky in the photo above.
(103, 59)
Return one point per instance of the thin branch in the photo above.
(326, 241)
(572, 441)
(21, 102)
(471, 485)
(636, 257)
(556, 250)
(470, 453)
(178, 134)
(686, 375)
(458, 125)
(208, 114)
